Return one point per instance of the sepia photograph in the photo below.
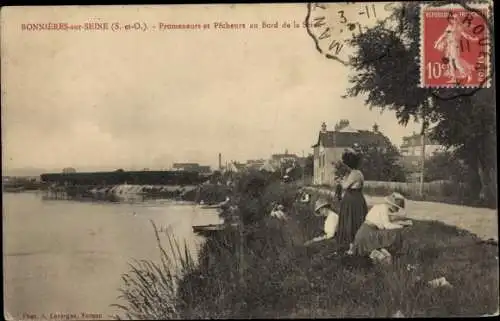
(264, 160)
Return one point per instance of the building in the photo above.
(255, 163)
(412, 146)
(411, 154)
(68, 170)
(191, 167)
(277, 160)
(331, 145)
(235, 167)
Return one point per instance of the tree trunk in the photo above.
(487, 164)
(487, 176)
(474, 180)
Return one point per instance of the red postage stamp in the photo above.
(454, 46)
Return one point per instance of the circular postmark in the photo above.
(333, 25)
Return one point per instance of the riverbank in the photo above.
(205, 193)
(272, 275)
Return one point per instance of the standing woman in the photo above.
(353, 207)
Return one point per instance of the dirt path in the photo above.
(481, 221)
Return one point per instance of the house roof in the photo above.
(349, 138)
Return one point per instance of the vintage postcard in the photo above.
(305, 160)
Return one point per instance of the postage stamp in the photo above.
(454, 46)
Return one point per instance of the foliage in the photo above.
(149, 289)
(309, 166)
(387, 71)
(379, 163)
(445, 166)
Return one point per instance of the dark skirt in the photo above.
(369, 238)
(353, 210)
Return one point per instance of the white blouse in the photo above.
(331, 222)
(353, 180)
(379, 216)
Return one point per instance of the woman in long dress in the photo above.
(353, 207)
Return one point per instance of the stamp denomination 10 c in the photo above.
(454, 46)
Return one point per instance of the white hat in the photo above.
(396, 199)
(320, 203)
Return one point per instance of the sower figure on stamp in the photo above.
(353, 207)
(449, 44)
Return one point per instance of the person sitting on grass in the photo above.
(324, 208)
(380, 230)
(303, 196)
(278, 212)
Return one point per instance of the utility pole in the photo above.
(423, 136)
(303, 168)
(422, 169)
(241, 250)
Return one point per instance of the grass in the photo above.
(277, 277)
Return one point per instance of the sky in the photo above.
(145, 99)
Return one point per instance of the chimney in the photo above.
(343, 123)
(220, 161)
(323, 127)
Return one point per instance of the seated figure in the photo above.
(380, 229)
(324, 208)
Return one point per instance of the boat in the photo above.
(218, 205)
(211, 229)
(210, 206)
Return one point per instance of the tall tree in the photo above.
(386, 70)
(309, 165)
(445, 166)
(379, 163)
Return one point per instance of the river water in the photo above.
(67, 257)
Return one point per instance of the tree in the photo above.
(386, 69)
(309, 165)
(445, 166)
(379, 163)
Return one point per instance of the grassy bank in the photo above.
(276, 276)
